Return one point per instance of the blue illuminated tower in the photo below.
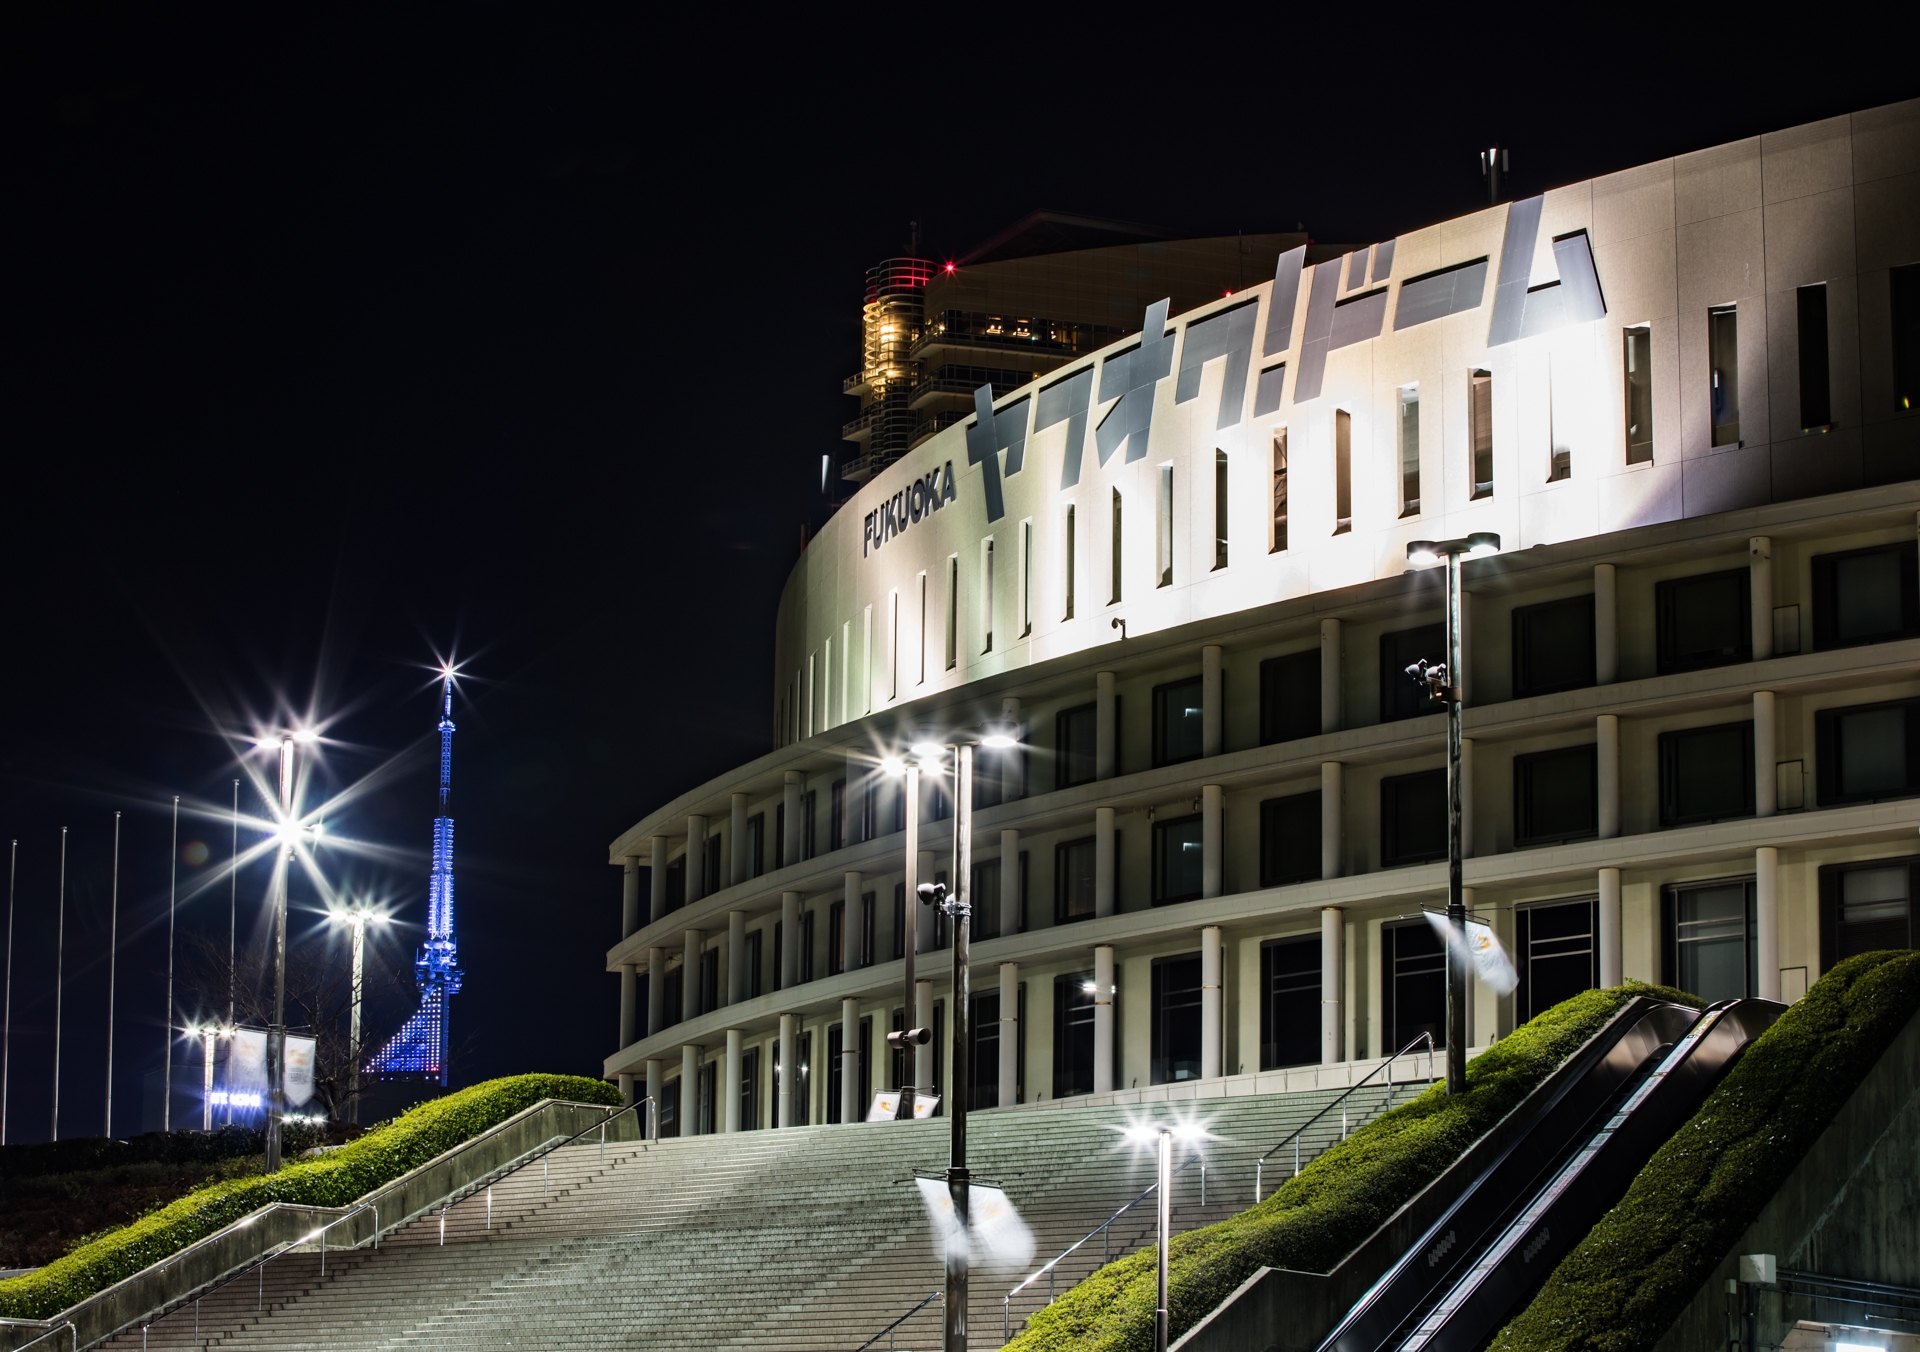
(420, 1049)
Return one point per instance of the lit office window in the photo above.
(1723, 353)
(1480, 430)
(1219, 509)
(1637, 355)
(1113, 563)
(1410, 450)
(1279, 491)
(1342, 472)
(1163, 534)
(1816, 387)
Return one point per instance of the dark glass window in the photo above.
(1816, 389)
(677, 884)
(673, 997)
(1866, 595)
(1290, 839)
(1400, 697)
(1480, 430)
(867, 909)
(837, 814)
(1557, 954)
(1706, 774)
(780, 835)
(1178, 855)
(985, 901)
(1723, 348)
(1709, 945)
(1290, 697)
(983, 1053)
(836, 938)
(669, 1120)
(1638, 344)
(1176, 1019)
(1073, 1034)
(1413, 818)
(1555, 795)
(705, 1089)
(1290, 1002)
(1073, 880)
(1703, 621)
(1553, 646)
(1076, 734)
(757, 844)
(809, 838)
(749, 1088)
(1865, 907)
(1904, 293)
(1177, 716)
(709, 980)
(1413, 991)
(1868, 752)
(756, 985)
(836, 1077)
(806, 946)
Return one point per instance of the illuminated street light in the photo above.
(357, 917)
(1162, 1138)
(207, 1033)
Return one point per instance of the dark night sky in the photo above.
(336, 340)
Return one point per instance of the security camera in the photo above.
(932, 894)
(912, 1037)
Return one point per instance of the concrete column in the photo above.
(790, 838)
(1009, 1034)
(788, 1091)
(740, 863)
(923, 1018)
(730, 1090)
(1106, 736)
(1212, 1035)
(850, 929)
(1331, 843)
(1466, 797)
(1760, 594)
(1610, 965)
(739, 980)
(924, 936)
(789, 940)
(696, 858)
(1103, 1020)
(629, 1006)
(657, 879)
(690, 974)
(626, 1090)
(1333, 974)
(1212, 715)
(1330, 710)
(656, 990)
(1103, 878)
(851, 1108)
(650, 1117)
(1606, 741)
(689, 1090)
(1009, 882)
(1606, 626)
(1766, 920)
(1766, 791)
(1212, 797)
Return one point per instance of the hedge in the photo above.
(1319, 1217)
(1627, 1282)
(86, 1154)
(336, 1179)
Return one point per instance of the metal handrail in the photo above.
(66, 1324)
(887, 1332)
(1341, 1103)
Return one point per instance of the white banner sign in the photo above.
(886, 1104)
(1000, 1238)
(247, 1062)
(1483, 950)
(300, 1053)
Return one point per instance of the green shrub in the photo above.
(338, 1178)
(1318, 1218)
(1624, 1284)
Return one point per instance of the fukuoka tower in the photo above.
(419, 1050)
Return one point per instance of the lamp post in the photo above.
(357, 918)
(907, 1040)
(1162, 1139)
(282, 877)
(207, 1033)
(1444, 681)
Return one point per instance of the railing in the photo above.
(1299, 1134)
(58, 1326)
(887, 1332)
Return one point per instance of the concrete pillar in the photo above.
(1106, 736)
(1466, 797)
(689, 1090)
(1212, 797)
(629, 1006)
(739, 862)
(1760, 595)
(696, 858)
(1103, 878)
(1212, 1033)
(1330, 711)
(1610, 964)
(1766, 792)
(1331, 843)
(1606, 741)
(788, 1091)
(730, 1090)
(1606, 626)
(1766, 920)
(851, 1108)
(656, 990)
(739, 980)
(1009, 1033)
(1103, 1020)
(1009, 882)
(1333, 974)
(850, 926)
(690, 974)
(923, 1018)
(657, 879)
(626, 1090)
(650, 1122)
(790, 839)
(789, 940)
(925, 935)
(1212, 715)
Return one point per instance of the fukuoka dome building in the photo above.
(1683, 396)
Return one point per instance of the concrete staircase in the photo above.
(812, 1238)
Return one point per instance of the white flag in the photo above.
(299, 1081)
(1000, 1238)
(247, 1062)
(1482, 948)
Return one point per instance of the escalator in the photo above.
(1489, 1251)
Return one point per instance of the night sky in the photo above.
(339, 342)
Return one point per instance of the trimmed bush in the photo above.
(1318, 1218)
(1624, 1285)
(339, 1178)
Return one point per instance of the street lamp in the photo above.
(357, 917)
(1443, 681)
(277, 1030)
(207, 1032)
(1162, 1137)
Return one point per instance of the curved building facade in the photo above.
(1683, 396)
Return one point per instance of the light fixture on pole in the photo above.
(959, 909)
(907, 1040)
(282, 877)
(1443, 680)
(113, 965)
(357, 917)
(207, 1032)
(1162, 1139)
(59, 980)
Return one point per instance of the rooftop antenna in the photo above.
(1493, 166)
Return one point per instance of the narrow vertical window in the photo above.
(1903, 286)
(1637, 357)
(922, 677)
(1026, 578)
(1480, 430)
(953, 610)
(1163, 530)
(849, 672)
(1816, 387)
(1072, 555)
(1219, 509)
(1113, 564)
(1342, 471)
(893, 644)
(986, 595)
(1279, 491)
(1723, 352)
(1560, 385)
(1410, 450)
(866, 660)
